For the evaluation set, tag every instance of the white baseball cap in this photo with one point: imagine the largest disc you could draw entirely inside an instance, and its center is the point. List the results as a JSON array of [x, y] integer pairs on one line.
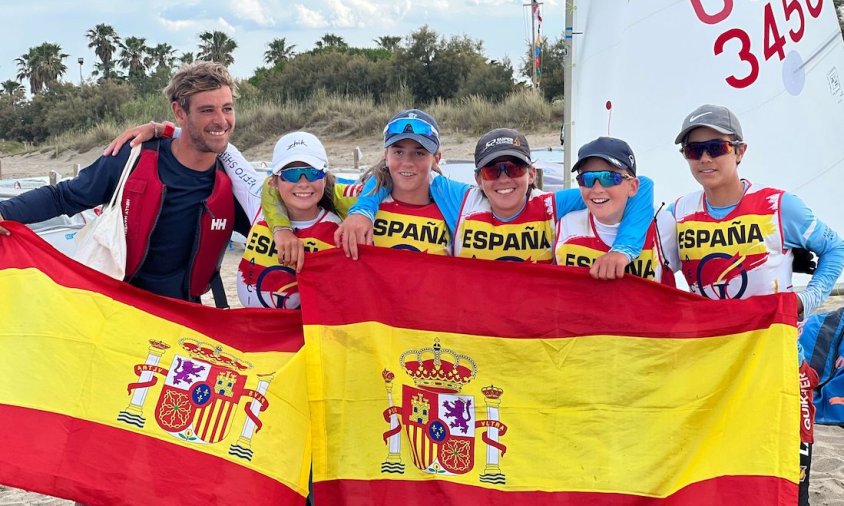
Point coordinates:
[[299, 147]]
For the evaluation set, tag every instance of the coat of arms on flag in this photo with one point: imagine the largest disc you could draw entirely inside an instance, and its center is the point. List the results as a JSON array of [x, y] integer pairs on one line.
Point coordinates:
[[198, 401], [439, 420]]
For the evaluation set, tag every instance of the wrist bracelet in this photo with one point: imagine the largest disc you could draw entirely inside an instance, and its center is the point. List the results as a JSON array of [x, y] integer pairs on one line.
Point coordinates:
[[156, 134], [169, 130], [279, 228]]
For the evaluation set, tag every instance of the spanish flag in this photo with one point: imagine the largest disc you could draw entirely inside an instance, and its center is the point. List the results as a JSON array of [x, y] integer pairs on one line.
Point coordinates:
[[111, 395], [439, 380]]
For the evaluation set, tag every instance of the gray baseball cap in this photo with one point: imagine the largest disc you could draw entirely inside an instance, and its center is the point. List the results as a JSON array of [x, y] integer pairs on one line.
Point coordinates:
[[499, 143], [716, 117]]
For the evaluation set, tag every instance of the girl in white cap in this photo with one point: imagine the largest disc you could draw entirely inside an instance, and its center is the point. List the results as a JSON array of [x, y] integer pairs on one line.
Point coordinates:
[[406, 218], [301, 178]]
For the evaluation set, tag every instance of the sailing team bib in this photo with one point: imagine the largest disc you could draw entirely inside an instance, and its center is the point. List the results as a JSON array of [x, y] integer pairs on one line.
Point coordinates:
[[579, 245], [738, 256], [409, 227], [261, 280], [527, 238]]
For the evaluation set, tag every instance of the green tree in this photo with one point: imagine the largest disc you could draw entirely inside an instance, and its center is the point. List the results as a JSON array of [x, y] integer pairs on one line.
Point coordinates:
[[104, 41], [551, 79], [216, 46], [436, 68], [134, 56], [331, 41], [388, 42], [186, 58], [42, 66], [839, 9], [12, 88], [279, 52], [163, 56]]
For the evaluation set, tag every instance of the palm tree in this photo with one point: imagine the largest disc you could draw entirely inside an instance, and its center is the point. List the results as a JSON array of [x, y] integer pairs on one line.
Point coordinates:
[[388, 42], [12, 88], [216, 46], [331, 40], [163, 56], [279, 51], [104, 41], [186, 58], [42, 66], [133, 56]]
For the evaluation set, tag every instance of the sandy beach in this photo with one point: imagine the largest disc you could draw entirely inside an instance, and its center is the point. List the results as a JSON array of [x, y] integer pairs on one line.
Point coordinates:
[[827, 478]]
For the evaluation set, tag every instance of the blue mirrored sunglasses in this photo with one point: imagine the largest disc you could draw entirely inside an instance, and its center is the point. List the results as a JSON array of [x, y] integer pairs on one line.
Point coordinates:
[[293, 175], [607, 178], [410, 125]]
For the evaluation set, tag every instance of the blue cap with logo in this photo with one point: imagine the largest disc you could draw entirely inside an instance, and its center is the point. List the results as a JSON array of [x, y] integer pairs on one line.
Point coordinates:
[[614, 151], [415, 125]]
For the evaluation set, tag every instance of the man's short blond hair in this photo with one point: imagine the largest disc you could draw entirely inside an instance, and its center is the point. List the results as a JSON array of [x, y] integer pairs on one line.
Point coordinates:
[[195, 78]]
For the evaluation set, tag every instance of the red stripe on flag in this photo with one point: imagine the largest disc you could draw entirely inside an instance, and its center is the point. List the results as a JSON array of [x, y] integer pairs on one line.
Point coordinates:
[[446, 290], [723, 491], [97, 464], [278, 330]]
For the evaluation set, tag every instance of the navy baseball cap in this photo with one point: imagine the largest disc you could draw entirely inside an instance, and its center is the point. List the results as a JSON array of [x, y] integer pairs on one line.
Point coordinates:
[[614, 151], [415, 125]]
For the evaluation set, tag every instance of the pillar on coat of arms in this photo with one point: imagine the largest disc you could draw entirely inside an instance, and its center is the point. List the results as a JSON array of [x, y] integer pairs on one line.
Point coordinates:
[[133, 414], [393, 463], [243, 446], [492, 472]]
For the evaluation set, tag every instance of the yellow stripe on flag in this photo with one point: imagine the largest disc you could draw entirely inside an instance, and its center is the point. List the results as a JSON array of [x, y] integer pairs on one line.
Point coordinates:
[[600, 413]]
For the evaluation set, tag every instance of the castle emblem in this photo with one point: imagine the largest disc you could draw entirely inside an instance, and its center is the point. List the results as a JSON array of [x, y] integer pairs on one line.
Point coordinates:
[[439, 420], [200, 395]]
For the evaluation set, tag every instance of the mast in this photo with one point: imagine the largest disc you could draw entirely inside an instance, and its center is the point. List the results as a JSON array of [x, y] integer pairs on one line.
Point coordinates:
[[568, 97], [535, 35], [533, 44]]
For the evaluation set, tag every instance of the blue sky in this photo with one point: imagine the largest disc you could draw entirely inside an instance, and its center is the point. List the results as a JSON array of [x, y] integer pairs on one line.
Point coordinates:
[[503, 25]]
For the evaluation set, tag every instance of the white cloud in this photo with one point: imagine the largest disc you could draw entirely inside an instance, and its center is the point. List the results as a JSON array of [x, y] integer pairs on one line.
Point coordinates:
[[252, 10], [355, 13], [179, 25], [225, 25], [308, 18]]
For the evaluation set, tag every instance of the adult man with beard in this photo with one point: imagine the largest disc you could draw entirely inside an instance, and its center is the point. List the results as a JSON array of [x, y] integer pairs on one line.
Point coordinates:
[[178, 204]]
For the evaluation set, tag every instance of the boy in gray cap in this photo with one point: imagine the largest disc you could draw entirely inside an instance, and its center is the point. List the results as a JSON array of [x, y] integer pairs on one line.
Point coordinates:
[[737, 239]]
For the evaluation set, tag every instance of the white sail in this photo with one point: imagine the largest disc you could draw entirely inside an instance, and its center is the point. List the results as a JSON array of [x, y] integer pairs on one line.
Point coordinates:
[[641, 66]]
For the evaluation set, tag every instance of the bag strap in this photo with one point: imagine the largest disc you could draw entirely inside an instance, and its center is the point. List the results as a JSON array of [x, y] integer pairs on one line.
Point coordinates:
[[219, 291], [117, 196]]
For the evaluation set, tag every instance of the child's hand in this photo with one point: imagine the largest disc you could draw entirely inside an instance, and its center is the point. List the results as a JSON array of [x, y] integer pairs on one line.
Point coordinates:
[[609, 266], [291, 249]]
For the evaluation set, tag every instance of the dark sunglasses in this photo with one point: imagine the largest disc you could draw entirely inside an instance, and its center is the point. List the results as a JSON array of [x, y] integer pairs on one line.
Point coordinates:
[[494, 170], [715, 148], [414, 125], [294, 174], [607, 178]]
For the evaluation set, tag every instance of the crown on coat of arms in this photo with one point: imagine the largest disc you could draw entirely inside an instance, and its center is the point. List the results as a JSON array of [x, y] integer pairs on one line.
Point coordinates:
[[213, 354], [431, 371]]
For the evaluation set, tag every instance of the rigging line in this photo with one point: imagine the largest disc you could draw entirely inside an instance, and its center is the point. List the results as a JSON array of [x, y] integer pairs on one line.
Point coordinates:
[[834, 38], [834, 164]]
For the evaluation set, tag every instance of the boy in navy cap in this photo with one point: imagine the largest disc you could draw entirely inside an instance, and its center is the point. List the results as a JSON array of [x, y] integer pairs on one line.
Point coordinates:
[[606, 174]]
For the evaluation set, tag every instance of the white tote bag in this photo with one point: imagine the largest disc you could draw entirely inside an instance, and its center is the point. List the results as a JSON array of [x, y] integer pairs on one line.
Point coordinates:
[[101, 244]]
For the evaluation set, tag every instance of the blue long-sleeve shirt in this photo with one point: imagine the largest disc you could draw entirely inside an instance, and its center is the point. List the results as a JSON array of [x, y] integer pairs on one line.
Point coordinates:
[[449, 194]]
